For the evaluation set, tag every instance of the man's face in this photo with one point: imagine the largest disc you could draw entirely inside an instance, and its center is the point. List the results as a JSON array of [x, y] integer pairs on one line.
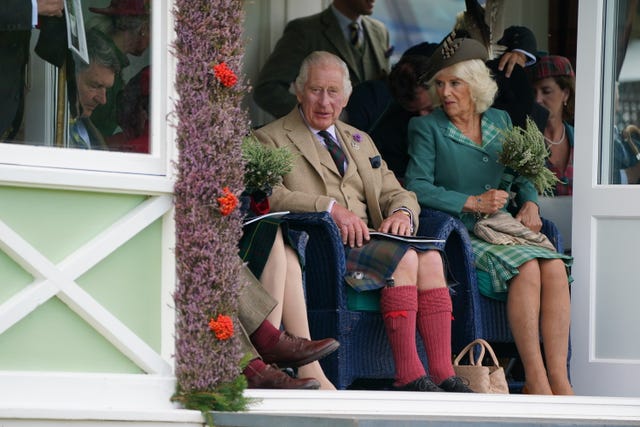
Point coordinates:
[[360, 7], [421, 105], [93, 83], [323, 98]]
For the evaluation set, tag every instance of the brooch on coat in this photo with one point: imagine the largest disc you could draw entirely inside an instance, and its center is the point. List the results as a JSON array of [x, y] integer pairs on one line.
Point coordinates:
[[356, 138]]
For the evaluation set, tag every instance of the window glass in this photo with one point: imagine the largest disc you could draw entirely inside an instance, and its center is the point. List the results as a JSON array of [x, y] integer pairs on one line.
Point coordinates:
[[80, 81], [620, 152]]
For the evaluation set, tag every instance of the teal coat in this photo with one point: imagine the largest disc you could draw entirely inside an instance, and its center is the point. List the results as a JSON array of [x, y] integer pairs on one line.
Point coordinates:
[[445, 167]]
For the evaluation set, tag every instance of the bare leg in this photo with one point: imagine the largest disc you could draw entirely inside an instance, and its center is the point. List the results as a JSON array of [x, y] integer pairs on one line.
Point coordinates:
[[523, 311], [282, 278], [430, 271], [555, 318]]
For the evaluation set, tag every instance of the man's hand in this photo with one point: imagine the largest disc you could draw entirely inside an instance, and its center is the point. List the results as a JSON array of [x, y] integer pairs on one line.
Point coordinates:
[[353, 230], [50, 7], [509, 60], [399, 223], [529, 215]]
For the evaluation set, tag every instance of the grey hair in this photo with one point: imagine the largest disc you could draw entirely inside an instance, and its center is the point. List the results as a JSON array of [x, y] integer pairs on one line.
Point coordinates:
[[475, 73], [100, 52], [322, 58]]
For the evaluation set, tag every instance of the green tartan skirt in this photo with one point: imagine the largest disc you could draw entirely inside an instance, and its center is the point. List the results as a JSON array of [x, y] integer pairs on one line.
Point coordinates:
[[497, 264]]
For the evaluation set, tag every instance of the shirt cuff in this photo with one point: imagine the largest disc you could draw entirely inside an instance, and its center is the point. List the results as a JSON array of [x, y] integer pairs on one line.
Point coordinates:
[[34, 13], [531, 58]]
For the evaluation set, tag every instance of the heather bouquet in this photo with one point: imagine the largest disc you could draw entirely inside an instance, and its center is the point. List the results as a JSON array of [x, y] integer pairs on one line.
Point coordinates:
[[524, 153], [263, 169], [264, 166]]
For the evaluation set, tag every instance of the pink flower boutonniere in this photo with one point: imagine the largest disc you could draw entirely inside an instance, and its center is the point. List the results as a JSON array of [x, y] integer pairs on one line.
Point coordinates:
[[355, 141]]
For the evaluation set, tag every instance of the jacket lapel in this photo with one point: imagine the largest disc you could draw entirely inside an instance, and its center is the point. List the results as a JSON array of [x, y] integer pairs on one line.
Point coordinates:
[[300, 136], [334, 34], [376, 38], [359, 163]]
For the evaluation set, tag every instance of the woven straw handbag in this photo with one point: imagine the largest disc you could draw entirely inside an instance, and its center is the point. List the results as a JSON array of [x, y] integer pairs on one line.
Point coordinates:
[[481, 378]]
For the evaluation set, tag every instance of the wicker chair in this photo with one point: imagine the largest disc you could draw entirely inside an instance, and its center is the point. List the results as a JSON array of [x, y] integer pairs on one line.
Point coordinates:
[[352, 318]]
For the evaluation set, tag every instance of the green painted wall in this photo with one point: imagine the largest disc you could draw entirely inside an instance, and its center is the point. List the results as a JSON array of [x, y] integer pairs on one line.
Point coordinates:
[[127, 282]]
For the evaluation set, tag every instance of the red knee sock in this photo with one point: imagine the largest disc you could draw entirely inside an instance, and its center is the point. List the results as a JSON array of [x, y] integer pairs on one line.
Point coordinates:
[[434, 325], [398, 306], [265, 337]]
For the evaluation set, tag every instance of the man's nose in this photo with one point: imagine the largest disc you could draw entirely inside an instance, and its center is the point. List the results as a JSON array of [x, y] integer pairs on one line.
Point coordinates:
[[101, 96]]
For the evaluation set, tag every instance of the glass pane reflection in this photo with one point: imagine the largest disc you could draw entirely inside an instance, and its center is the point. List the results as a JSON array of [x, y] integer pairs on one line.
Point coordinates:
[[623, 166], [63, 101]]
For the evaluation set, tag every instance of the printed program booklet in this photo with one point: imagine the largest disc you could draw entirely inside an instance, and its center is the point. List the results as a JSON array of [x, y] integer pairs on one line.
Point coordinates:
[[409, 239]]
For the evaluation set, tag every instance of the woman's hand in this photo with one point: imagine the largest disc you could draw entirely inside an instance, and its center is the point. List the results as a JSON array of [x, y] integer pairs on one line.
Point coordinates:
[[353, 230], [399, 223], [489, 202], [529, 215]]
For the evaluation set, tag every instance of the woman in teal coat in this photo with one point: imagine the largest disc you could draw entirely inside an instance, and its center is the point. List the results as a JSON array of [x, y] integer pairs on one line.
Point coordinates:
[[454, 167]]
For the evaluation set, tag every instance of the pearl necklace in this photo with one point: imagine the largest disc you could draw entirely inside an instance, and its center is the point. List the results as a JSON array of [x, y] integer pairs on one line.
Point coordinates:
[[558, 141]]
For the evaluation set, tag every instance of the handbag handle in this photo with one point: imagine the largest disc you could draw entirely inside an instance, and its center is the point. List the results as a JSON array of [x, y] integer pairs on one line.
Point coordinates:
[[469, 349]]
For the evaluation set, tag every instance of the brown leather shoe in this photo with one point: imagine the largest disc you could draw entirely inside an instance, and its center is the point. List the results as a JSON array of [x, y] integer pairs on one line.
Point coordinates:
[[272, 377], [292, 351]]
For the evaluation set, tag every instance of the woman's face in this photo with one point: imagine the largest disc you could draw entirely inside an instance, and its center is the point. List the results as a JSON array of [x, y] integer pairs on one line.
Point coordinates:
[[454, 94], [549, 94]]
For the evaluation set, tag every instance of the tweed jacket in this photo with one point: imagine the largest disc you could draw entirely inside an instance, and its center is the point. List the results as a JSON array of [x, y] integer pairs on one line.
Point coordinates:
[[308, 34], [445, 168], [306, 187]]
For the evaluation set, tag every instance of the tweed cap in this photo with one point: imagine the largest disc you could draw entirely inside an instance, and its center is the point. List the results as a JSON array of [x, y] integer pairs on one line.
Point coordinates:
[[453, 50], [552, 66]]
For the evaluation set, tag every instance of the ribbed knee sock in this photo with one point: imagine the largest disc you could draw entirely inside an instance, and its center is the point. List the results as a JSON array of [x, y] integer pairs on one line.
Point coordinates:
[[434, 325], [265, 337], [398, 306]]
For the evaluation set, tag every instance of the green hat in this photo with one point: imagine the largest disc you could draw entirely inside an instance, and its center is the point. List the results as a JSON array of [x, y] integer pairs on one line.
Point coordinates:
[[453, 50]]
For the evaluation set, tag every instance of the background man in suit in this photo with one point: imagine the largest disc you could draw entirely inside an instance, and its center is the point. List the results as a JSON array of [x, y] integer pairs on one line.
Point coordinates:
[[16, 22], [365, 50], [339, 170]]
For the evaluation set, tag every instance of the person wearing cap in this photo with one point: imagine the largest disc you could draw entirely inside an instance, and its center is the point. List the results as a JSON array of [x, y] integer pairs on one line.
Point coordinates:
[[454, 167], [338, 170], [125, 25], [554, 85]]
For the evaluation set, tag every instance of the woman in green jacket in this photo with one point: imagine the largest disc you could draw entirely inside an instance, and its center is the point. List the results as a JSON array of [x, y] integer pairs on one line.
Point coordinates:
[[453, 167]]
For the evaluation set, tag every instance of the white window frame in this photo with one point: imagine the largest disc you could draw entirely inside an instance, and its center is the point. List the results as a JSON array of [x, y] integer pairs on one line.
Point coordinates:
[[107, 170]]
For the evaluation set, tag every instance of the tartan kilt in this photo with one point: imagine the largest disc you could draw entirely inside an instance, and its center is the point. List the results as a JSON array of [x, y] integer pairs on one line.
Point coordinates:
[[371, 266], [501, 262]]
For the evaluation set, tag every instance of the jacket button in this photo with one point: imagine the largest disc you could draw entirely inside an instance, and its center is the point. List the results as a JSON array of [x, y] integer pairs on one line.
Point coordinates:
[[485, 159], [487, 187]]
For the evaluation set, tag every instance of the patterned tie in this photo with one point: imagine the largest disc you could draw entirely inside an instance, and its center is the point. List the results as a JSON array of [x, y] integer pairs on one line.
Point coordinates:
[[334, 149], [354, 35]]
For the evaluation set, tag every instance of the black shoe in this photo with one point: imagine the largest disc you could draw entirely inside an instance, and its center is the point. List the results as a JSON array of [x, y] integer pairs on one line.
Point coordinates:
[[456, 385], [421, 384]]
